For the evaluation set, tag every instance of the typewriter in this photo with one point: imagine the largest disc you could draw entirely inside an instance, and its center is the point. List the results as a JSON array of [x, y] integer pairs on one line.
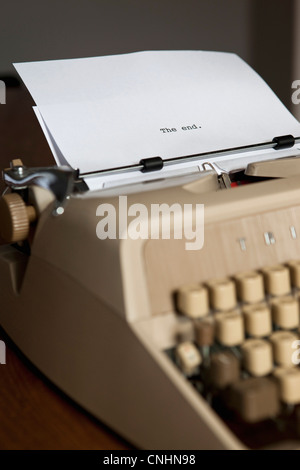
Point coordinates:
[[172, 346]]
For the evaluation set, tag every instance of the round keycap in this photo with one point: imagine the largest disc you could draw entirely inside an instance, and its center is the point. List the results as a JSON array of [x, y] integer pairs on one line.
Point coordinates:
[[295, 272], [222, 294], [289, 384], [224, 369], [229, 328], [258, 322], [277, 280], [285, 312], [250, 287], [188, 358], [192, 300], [282, 342], [204, 332], [257, 357]]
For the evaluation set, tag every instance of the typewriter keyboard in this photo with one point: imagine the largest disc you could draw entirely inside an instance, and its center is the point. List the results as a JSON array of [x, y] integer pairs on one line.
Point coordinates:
[[246, 349]]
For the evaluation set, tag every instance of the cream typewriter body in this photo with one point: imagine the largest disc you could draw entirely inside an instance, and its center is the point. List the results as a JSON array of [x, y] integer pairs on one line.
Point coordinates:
[[138, 331], [171, 345]]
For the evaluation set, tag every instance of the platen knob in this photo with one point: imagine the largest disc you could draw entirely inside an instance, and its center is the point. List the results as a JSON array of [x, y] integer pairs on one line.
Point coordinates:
[[15, 218]]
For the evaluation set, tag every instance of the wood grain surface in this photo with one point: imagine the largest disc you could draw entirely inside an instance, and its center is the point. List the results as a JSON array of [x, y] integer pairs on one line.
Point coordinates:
[[33, 413]]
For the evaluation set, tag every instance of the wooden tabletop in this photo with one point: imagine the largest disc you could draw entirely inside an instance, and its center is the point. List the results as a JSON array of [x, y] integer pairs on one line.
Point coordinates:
[[34, 414]]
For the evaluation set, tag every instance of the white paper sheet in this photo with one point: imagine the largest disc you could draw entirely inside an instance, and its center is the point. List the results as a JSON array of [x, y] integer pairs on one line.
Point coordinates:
[[109, 112]]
